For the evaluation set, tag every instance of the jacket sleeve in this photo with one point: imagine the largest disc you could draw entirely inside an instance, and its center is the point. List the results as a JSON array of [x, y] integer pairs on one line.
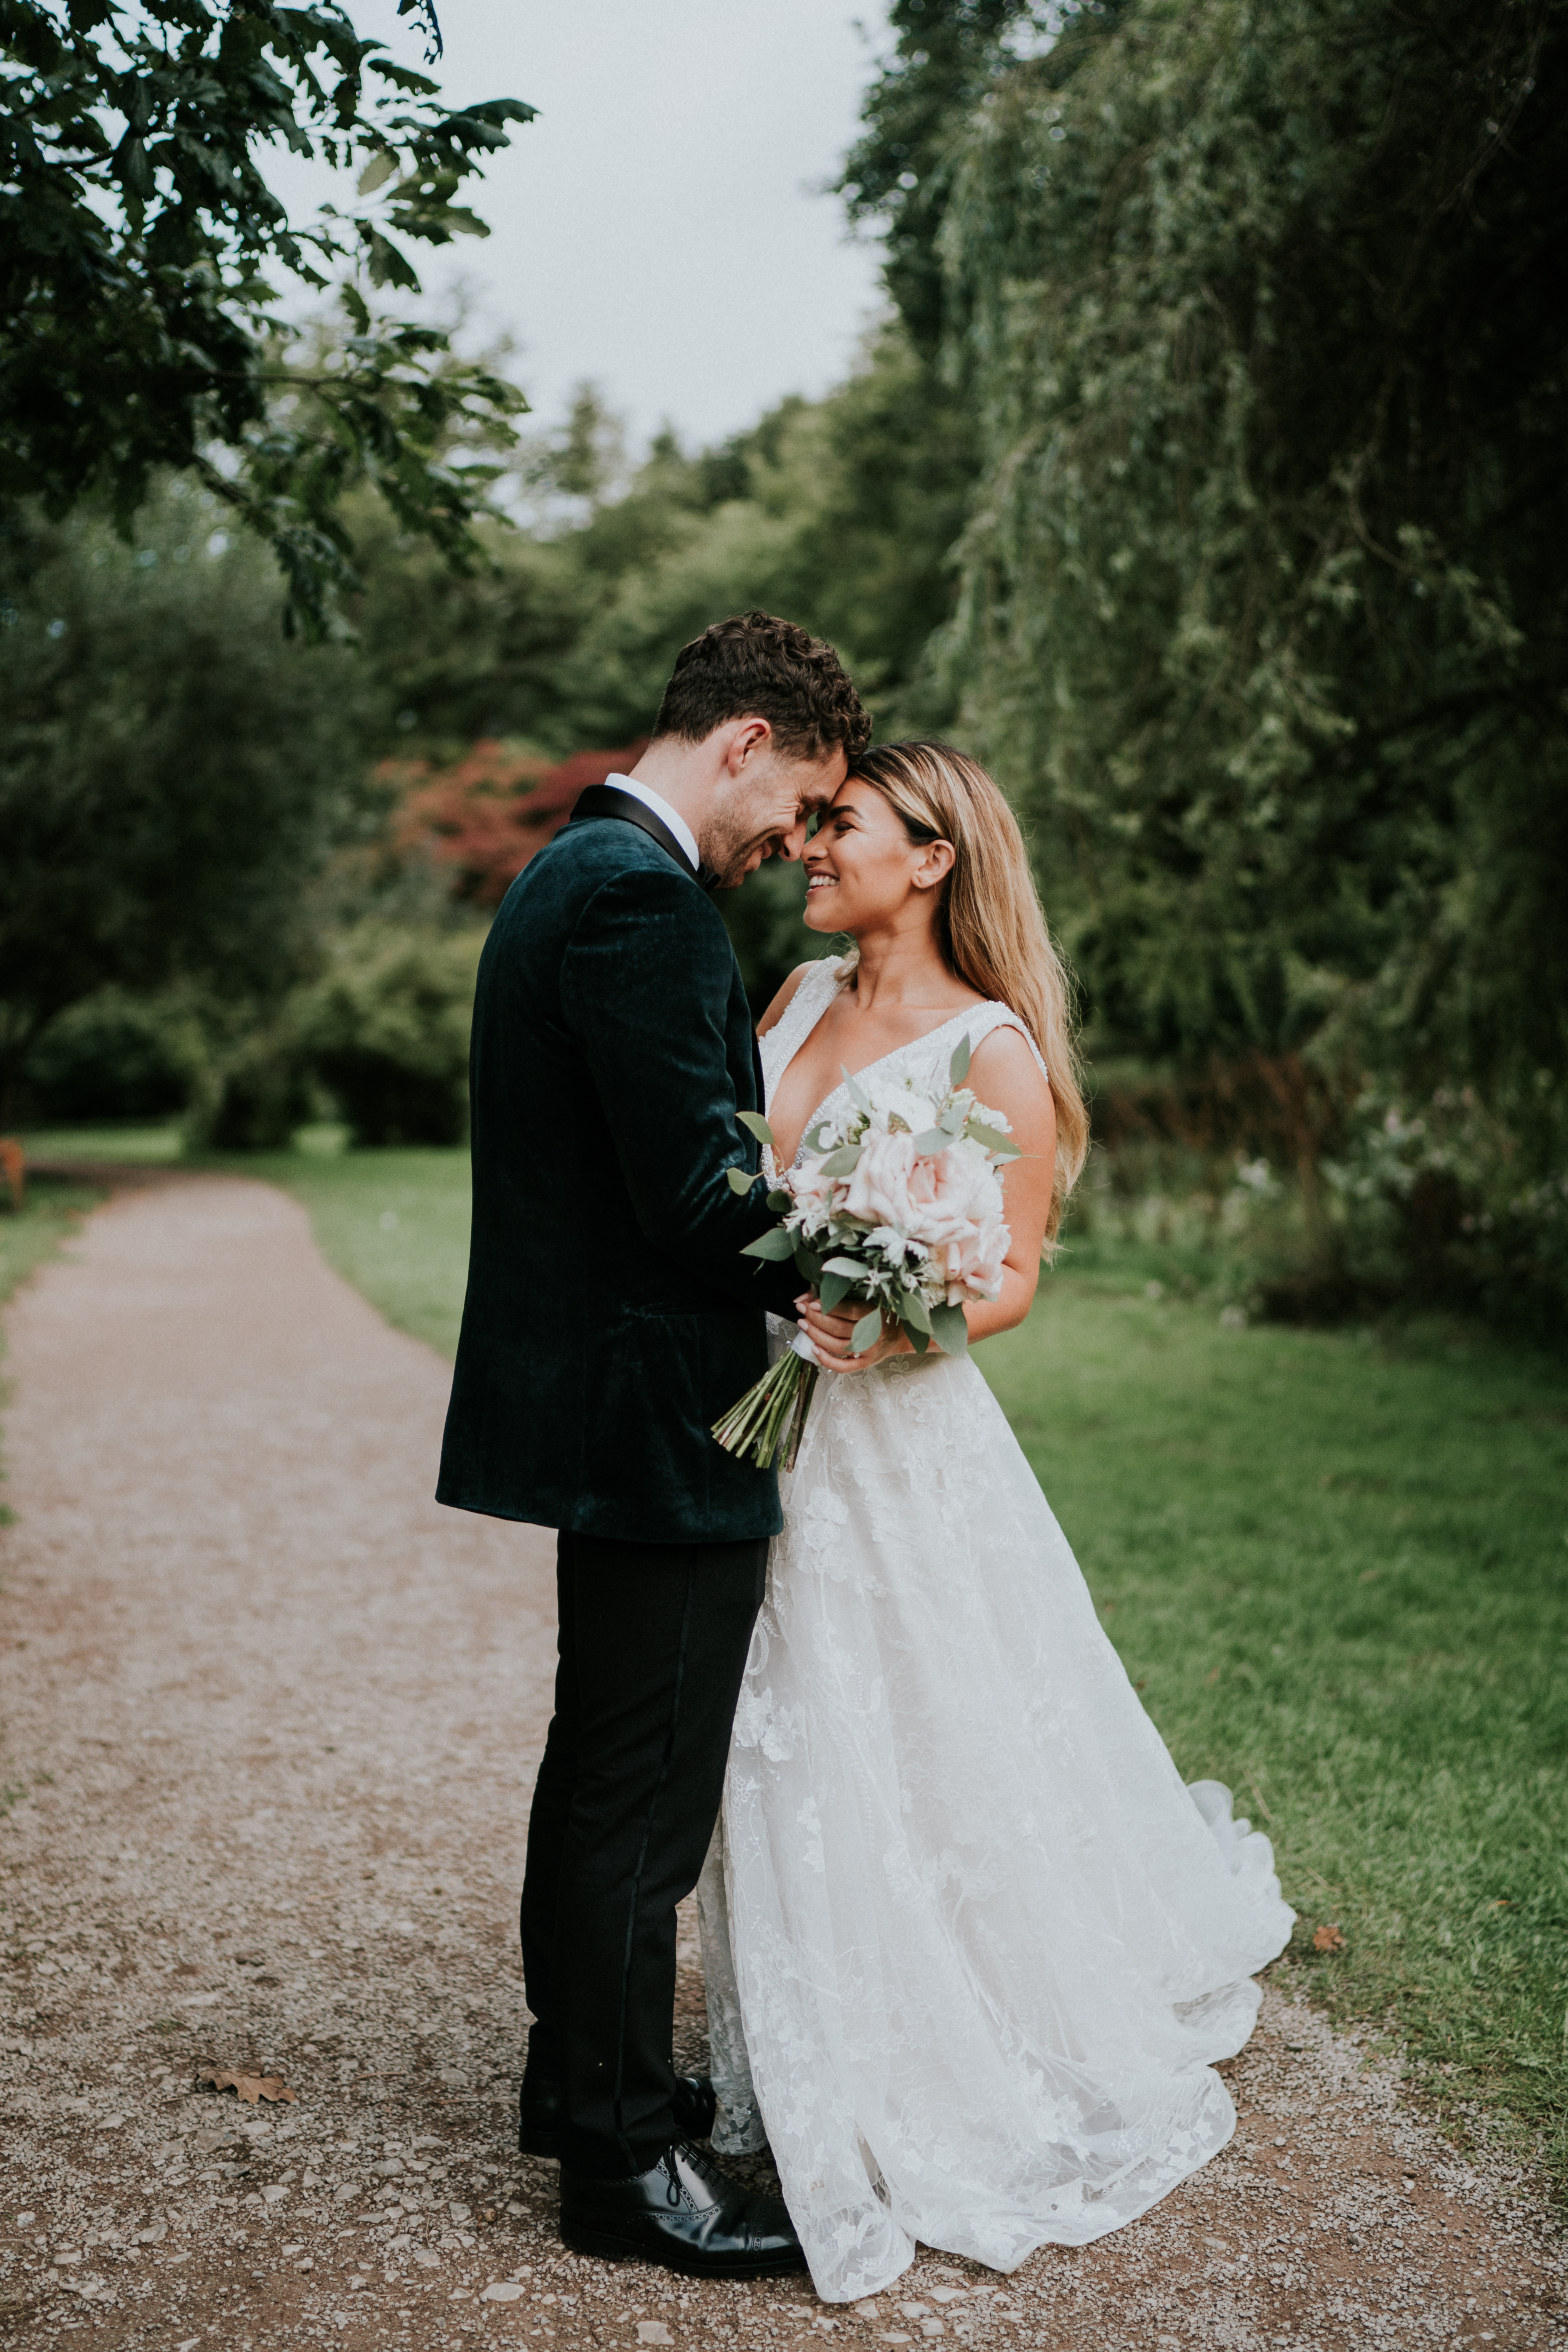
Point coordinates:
[[645, 988]]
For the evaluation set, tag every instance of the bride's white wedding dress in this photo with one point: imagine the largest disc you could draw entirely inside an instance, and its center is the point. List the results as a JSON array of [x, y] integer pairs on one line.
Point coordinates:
[[971, 1945]]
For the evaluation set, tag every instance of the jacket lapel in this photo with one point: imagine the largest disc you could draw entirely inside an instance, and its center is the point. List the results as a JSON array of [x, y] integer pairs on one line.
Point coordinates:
[[606, 800]]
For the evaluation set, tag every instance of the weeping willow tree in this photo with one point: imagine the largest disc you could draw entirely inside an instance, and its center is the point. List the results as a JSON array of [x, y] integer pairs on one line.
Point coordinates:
[[1263, 610]]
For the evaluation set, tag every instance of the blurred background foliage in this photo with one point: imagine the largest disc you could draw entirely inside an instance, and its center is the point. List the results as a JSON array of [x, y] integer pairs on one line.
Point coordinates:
[[1205, 476]]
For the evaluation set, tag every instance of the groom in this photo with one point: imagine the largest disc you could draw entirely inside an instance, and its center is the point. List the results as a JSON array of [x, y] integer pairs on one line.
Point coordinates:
[[610, 1320]]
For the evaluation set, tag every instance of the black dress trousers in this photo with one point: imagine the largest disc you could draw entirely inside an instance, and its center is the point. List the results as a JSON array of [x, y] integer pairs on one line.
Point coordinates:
[[652, 1646]]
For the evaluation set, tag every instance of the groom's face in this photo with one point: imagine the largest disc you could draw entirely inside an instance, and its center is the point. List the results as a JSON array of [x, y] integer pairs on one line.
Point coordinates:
[[765, 807]]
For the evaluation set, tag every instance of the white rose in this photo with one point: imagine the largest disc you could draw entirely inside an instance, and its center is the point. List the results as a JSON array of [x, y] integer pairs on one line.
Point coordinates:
[[893, 1098], [878, 1191]]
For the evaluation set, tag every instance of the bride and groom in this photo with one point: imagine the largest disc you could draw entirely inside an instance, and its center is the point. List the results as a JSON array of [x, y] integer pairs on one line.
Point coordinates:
[[970, 1947]]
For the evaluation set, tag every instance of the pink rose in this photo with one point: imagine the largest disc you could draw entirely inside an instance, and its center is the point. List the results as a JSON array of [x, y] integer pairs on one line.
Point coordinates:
[[811, 1190], [972, 1263], [950, 1193]]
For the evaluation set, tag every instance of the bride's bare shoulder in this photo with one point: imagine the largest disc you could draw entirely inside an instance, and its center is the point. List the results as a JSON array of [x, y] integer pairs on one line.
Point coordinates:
[[1005, 1071], [783, 1000]]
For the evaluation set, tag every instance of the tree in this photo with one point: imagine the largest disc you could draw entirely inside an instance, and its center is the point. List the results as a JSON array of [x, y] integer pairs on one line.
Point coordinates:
[[1265, 599], [172, 772], [840, 512], [137, 233], [898, 174]]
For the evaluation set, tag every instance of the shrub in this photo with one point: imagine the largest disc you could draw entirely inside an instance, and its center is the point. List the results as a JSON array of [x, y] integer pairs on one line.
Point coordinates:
[[1306, 1202], [114, 1056], [254, 1097], [1439, 1200], [387, 1030]]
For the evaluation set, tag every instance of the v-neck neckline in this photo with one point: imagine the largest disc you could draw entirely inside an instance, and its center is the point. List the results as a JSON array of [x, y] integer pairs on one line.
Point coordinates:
[[814, 1118]]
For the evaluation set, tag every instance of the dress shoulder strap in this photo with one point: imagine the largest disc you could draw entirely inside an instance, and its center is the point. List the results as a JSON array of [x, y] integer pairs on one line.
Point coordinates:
[[818, 986], [987, 1017]]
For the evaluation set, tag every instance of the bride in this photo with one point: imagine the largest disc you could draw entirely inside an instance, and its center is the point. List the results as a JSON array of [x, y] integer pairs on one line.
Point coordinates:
[[971, 1948]]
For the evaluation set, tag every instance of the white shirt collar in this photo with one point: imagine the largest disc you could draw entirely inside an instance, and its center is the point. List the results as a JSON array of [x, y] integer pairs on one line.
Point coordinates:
[[661, 809]]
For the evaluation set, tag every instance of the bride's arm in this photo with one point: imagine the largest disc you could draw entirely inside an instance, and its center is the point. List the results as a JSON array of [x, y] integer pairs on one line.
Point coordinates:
[[1005, 1075]]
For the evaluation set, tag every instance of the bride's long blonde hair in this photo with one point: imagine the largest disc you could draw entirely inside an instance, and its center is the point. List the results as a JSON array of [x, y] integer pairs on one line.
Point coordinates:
[[989, 925]]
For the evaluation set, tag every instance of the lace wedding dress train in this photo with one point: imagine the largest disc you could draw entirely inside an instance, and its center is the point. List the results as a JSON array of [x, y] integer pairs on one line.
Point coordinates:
[[971, 1945]]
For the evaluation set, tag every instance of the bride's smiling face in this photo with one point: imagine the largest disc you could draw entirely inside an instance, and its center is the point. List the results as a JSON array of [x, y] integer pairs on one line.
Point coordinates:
[[864, 872]]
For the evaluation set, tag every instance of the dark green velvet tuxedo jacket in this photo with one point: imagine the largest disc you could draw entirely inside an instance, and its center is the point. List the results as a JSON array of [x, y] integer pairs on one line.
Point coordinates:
[[610, 1318]]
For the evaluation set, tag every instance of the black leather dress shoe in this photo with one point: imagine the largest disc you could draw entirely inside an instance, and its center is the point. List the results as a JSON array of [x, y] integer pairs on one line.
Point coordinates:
[[543, 2111], [683, 2214]]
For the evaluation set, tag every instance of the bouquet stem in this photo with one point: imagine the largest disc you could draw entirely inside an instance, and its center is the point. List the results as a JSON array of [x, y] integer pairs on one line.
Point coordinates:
[[766, 1426]]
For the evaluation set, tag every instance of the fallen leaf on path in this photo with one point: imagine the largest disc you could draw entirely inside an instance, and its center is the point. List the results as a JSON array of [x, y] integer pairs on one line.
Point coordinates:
[[1328, 1939], [250, 2087]]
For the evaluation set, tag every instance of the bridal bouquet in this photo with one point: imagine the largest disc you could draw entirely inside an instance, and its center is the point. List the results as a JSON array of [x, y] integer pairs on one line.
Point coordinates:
[[895, 1205]]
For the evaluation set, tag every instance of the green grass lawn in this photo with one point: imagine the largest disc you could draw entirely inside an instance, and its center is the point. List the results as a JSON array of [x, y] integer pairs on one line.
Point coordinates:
[[50, 1215], [135, 1144], [1337, 1566]]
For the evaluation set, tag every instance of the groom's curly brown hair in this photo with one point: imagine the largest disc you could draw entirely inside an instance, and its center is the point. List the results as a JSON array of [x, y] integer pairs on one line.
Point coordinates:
[[757, 667]]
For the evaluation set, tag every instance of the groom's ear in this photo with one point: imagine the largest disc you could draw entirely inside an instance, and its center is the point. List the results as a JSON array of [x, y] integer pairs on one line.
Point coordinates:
[[748, 738]]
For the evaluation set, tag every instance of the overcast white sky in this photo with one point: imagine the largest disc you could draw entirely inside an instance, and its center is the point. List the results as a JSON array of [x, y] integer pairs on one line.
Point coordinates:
[[658, 229]]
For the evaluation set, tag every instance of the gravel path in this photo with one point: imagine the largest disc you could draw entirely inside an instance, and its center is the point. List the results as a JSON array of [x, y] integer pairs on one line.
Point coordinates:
[[269, 1722]]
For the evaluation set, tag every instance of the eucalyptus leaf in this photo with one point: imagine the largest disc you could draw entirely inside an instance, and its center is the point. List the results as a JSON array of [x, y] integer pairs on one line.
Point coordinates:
[[866, 1332], [835, 1288], [809, 1263], [849, 1266], [919, 1340], [739, 1182], [755, 1124], [913, 1310], [776, 1246], [949, 1330], [857, 1092], [935, 1138], [842, 1162], [958, 1068], [995, 1140], [780, 1203]]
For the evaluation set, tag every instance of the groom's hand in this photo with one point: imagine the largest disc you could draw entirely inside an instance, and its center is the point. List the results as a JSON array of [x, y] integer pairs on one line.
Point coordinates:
[[830, 1336]]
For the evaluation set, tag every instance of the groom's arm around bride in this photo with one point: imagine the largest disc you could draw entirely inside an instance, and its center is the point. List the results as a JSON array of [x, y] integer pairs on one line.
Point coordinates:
[[610, 1320]]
